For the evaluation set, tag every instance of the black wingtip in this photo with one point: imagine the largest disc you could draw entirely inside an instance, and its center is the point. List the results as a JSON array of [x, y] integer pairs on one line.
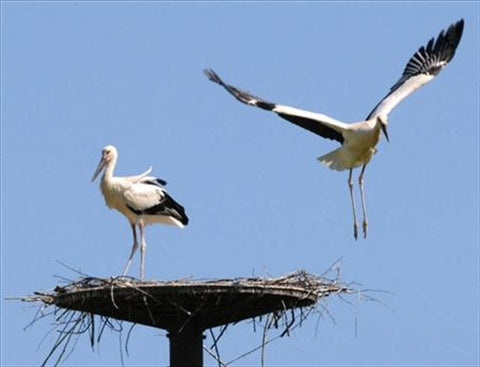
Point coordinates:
[[436, 54], [239, 94], [459, 25], [213, 76], [447, 43], [458, 29]]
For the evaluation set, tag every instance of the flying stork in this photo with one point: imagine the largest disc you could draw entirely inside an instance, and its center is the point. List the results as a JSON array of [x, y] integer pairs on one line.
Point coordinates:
[[358, 140], [142, 199]]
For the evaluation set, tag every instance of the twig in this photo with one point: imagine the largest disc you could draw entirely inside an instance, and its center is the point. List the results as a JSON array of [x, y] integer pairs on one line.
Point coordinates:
[[220, 363]]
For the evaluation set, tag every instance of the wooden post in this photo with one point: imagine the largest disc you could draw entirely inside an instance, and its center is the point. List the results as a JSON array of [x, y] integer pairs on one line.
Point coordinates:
[[186, 347]]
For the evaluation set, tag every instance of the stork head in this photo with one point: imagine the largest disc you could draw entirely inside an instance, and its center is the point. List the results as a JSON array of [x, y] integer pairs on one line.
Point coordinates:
[[109, 155], [382, 120]]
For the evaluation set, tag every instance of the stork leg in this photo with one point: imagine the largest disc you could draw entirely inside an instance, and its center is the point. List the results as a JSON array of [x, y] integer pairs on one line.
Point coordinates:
[[143, 247], [360, 183], [134, 248], [350, 186]]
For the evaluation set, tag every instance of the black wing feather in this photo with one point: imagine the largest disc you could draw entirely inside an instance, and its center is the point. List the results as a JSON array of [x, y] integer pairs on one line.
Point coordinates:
[[155, 181], [431, 58], [167, 207], [311, 125], [314, 126]]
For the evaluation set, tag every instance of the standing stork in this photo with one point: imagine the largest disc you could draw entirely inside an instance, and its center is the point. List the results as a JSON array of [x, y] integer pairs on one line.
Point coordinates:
[[358, 140], [142, 199]]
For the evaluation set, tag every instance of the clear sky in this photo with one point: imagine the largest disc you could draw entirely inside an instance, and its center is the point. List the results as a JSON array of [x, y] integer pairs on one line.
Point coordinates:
[[77, 76]]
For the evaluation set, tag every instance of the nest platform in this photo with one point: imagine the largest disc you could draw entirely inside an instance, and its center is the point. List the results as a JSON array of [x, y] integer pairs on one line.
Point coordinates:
[[186, 307]]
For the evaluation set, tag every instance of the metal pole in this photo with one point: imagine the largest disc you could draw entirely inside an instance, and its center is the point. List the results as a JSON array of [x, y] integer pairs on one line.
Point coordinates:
[[186, 347]]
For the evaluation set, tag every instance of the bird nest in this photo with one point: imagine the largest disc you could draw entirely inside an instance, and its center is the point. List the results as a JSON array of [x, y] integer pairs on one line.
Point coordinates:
[[274, 302]]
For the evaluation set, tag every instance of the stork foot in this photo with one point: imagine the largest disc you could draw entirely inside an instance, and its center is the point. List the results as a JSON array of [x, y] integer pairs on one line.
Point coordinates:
[[355, 230], [365, 226]]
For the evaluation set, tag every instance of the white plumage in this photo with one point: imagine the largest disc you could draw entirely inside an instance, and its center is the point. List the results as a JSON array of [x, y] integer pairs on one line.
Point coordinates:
[[142, 199], [358, 140]]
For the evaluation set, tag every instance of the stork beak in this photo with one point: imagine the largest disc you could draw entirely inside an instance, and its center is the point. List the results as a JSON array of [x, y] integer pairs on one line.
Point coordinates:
[[99, 169], [384, 129]]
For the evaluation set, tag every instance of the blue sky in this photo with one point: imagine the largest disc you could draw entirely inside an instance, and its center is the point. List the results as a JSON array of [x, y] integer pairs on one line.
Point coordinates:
[[78, 76]]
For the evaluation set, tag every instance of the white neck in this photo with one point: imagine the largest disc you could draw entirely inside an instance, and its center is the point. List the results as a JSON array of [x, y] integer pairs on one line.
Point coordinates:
[[108, 174]]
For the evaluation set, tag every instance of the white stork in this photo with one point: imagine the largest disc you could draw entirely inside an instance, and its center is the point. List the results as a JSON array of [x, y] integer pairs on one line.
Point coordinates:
[[142, 199], [358, 140]]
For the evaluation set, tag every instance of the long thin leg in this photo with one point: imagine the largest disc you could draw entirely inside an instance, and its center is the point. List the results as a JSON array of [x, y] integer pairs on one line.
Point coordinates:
[[350, 186], [143, 247], [134, 248], [360, 183]]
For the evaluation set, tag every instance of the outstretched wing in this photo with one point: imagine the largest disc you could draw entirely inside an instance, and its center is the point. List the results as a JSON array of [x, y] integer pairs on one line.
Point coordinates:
[[422, 67], [317, 123]]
